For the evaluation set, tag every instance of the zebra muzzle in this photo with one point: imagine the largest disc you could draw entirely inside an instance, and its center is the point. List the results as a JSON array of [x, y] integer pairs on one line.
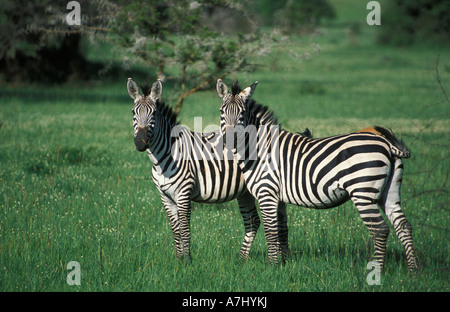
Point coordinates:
[[141, 140], [230, 138]]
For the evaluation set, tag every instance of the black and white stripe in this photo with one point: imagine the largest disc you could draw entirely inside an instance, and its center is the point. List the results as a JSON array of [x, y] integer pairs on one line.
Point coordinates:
[[317, 173], [188, 167]]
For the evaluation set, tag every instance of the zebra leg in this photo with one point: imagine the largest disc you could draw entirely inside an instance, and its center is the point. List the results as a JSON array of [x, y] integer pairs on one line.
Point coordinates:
[[172, 212], [283, 230], [268, 206], [249, 213], [390, 201], [184, 217], [378, 229], [403, 230]]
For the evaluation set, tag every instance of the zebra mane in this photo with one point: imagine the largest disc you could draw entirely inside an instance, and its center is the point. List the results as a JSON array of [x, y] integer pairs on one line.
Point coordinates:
[[164, 110], [235, 88], [167, 113], [146, 89], [258, 114]]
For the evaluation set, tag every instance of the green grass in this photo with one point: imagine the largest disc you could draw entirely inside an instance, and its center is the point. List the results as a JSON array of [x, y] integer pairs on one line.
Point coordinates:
[[73, 187]]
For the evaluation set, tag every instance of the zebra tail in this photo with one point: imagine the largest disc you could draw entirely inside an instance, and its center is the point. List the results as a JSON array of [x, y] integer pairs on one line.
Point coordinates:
[[398, 147]]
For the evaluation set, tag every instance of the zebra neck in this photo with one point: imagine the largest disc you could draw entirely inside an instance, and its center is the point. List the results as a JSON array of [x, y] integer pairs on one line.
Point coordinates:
[[160, 148], [260, 146]]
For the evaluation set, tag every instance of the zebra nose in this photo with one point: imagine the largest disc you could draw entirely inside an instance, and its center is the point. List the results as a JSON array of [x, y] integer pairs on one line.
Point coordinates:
[[141, 139]]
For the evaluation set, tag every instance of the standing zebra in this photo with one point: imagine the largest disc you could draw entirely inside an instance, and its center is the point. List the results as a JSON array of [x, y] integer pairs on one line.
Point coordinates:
[[317, 173], [187, 167]]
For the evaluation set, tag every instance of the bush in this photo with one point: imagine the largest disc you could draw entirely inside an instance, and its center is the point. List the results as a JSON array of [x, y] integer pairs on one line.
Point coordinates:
[[303, 16], [407, 21], [37, 45]]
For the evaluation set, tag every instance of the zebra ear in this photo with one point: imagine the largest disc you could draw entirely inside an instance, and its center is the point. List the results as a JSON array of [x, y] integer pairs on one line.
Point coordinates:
[[221, 88], [132, 88], [248, 92], [156, 90]]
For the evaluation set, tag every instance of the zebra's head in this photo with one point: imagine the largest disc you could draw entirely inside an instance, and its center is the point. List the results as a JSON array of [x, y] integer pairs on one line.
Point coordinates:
[[144, 112], [233, 106]]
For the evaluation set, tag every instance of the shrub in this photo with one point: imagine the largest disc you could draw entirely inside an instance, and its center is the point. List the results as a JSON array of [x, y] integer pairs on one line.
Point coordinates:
[[407, 21]]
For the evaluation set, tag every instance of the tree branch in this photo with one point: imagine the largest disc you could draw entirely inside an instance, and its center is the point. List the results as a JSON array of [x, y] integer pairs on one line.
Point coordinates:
[[199, 87], [439, 79]]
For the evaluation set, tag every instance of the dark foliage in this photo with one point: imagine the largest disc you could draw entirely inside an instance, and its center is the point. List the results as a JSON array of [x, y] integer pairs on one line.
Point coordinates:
[[405, 22]]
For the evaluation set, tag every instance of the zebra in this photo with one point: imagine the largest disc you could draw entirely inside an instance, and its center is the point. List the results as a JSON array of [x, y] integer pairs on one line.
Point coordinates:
[[182, 177], [319, 173]]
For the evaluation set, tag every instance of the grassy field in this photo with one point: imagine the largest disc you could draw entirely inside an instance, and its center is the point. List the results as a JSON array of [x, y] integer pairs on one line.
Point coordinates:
[[73, 187]]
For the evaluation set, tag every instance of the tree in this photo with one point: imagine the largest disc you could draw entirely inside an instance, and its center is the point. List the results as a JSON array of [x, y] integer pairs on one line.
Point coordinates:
[[175, 38], [303, 16], [181, 41], [37, 44], [406, 21]]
